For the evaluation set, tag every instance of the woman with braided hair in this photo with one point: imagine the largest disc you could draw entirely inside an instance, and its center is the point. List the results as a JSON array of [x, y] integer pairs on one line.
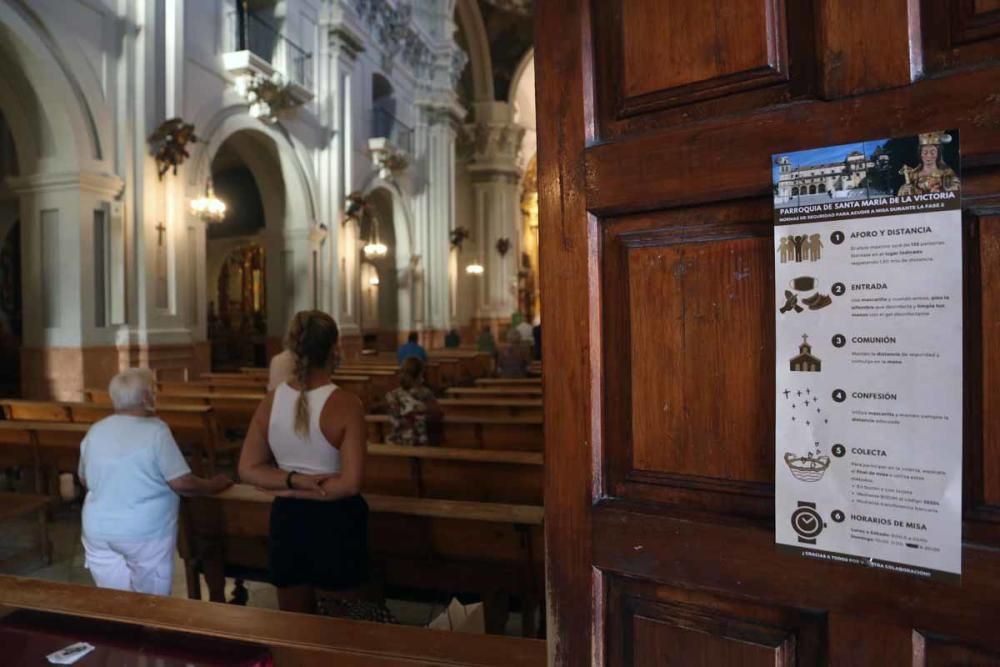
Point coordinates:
[[306, 444]]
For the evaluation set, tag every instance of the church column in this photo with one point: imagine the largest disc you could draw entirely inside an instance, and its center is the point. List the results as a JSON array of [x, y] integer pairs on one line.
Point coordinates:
[[67, 275], [343, 47], [496, 139], [435, 207]]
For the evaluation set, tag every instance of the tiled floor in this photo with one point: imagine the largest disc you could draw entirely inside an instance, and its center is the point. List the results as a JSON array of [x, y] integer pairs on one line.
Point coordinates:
[[17, 537]]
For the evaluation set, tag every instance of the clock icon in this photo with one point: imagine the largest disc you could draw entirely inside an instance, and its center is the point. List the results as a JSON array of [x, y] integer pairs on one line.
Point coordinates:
[[807, 522]]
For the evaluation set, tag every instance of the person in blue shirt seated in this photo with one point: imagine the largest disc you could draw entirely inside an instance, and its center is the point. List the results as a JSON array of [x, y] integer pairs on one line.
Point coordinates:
[[411, 348]]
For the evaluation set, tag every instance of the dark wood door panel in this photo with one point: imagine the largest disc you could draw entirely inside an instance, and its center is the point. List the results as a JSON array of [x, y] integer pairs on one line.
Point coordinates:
[[716, 555], [651, 624], [934, 651], [729, 158], [960, 33], [676, 286], [720, 56]]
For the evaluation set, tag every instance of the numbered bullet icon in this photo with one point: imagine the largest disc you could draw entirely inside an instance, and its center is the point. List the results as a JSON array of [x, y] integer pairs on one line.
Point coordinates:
[[838, 289], [839, 340], [837, 237], [838, 450], [837, 516], [839, 395]]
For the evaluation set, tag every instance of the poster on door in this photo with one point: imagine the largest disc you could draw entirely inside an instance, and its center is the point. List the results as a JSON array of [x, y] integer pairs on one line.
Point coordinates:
[[868, 353]]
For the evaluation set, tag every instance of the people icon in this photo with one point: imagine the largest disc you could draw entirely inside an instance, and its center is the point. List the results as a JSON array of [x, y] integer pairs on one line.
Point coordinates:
[[800, 248]]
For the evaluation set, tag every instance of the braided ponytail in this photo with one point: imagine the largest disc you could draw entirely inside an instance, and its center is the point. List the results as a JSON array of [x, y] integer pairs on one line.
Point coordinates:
[[311, 339]]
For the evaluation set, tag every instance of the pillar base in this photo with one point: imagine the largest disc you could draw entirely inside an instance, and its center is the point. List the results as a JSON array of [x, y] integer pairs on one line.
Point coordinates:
[[63, 373]]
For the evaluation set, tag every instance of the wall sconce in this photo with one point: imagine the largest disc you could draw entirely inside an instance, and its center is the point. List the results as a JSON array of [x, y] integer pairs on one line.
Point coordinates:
[[503, 246], [474, 269], [374, 281], [209, 207]]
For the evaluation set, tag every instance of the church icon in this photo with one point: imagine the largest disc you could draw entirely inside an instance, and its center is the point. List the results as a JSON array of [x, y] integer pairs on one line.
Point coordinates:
[[804, 360]]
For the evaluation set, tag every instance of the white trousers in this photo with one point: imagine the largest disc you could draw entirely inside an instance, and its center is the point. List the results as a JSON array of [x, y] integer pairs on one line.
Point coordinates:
[[141, 566]]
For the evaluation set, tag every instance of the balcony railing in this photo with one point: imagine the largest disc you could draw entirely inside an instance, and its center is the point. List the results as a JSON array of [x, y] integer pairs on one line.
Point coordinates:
[[246, 31], [384, 124]]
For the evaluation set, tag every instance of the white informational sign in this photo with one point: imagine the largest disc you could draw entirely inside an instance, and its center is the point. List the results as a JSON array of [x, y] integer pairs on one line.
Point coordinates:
[[868, 354]]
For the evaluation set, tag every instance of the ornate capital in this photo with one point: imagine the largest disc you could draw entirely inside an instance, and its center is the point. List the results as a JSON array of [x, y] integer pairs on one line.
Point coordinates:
[[492, 142]]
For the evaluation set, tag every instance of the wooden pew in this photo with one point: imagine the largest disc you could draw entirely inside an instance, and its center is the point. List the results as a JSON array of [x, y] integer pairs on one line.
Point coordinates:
[[293, 639], [194, 426], [492, 407], [18, 505], [495, 392], [509, 382], [448, 546], [494, 433], [455, 474], [41, 445], [363, 386], [232, 411]]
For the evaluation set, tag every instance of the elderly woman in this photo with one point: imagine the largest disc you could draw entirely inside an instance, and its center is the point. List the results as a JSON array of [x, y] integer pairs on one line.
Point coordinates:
[[133, 472]]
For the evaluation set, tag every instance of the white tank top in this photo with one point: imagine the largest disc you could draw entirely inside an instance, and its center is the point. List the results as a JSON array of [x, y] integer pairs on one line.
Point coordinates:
[[313, 455]]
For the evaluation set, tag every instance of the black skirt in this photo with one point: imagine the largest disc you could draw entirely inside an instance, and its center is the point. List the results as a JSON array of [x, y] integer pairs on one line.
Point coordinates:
[[319, 543]]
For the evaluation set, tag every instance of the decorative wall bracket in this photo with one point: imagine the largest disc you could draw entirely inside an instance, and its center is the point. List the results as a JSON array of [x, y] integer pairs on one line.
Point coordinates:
[[387, 158], [503, 246], [169, 143], [458, 236], [268, 97]]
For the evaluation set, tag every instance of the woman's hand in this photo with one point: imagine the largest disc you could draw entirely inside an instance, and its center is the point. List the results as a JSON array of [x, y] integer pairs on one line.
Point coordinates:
[[220, 483], [309, 483]]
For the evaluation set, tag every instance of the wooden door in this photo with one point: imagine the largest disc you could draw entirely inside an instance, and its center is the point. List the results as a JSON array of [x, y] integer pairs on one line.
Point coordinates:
[[657, 120]]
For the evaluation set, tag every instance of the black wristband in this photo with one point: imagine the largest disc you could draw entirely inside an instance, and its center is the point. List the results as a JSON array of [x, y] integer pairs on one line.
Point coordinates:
[[288, 480]]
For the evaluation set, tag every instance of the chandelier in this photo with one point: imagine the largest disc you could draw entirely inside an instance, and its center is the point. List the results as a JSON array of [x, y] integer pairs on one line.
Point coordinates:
[[523, 7], [209, 207], [375, 249]]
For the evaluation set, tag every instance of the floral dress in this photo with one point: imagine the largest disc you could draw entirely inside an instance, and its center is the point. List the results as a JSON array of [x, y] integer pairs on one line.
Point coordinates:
[[408, 415]]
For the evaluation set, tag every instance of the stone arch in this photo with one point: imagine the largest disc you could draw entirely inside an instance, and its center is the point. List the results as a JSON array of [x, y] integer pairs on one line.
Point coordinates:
[[288, 194], [50, 104], [480, 60], [401, 273]]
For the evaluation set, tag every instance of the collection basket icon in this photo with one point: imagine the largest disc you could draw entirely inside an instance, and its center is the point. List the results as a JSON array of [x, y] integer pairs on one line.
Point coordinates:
[[807, 468]]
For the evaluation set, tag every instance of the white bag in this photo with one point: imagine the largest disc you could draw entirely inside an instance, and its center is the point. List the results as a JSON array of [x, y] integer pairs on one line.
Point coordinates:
[[460, 617]]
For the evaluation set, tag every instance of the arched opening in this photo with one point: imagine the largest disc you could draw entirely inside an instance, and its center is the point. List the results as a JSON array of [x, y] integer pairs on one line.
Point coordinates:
[[246, 175], [812, 189], [522, 97], [383, 106], [11, 300], [380, 306], [821, 188], [795, 191]]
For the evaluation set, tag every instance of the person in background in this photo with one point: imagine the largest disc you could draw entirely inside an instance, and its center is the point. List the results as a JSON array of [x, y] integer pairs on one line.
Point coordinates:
[[452, 340], [536, 334], [306, 443], [524, 330], [282, 369], [411, 405], [411, 348], [486, 342], [512, 361], [133, 471]]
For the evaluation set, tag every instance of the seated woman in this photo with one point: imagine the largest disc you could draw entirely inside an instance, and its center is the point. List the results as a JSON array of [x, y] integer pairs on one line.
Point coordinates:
[[306, 442], [513, 359], [132, 471], [410, 406]]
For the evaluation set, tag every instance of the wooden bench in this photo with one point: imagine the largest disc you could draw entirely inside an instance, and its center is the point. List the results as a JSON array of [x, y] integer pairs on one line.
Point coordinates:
[[369, 390], [293, 639], [491, 432], [492, 407], [445, 546], [43, 446], [495, 392], [19, 505], [193, 426], [232, 411], [509, 382], [455, 474]]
